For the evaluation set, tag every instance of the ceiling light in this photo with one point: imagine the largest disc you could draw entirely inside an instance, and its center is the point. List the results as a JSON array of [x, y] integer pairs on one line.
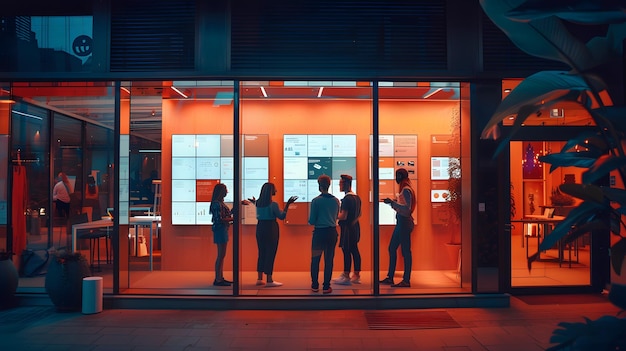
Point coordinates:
[[507, 90], [125, 89], [263, 91], [319, 93], [178, 91], [431, 93], [27, 115]]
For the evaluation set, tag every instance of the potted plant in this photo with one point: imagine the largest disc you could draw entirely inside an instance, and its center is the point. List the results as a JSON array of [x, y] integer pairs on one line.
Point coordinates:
[[8, 279], [542, 28], [64, 280]]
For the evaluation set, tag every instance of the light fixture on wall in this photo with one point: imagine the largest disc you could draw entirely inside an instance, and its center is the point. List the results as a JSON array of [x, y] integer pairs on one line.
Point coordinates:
[[5, 97]]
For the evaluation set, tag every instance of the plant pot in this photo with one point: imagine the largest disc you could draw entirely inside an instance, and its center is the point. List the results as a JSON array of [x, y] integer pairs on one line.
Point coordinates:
[[8, 281], [64, 283]]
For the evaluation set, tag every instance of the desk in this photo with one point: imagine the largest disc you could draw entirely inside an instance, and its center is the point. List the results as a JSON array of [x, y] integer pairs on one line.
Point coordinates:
[[545, 224], [134, 221], [101, 223], [152, 221]]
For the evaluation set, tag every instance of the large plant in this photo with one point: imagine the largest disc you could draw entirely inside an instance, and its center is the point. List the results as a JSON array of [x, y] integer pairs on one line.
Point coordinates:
[[540, 28]]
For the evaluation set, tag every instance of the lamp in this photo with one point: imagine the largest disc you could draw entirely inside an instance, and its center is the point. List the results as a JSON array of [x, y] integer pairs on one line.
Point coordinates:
[[5, 97]]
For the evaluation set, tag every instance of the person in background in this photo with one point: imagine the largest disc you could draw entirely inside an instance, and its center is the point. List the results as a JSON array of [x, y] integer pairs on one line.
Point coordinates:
[[267, 232], [61, 195], [323, 217], [148, 188], [401, 236], [92, 197], [222, 218], [350, 232]]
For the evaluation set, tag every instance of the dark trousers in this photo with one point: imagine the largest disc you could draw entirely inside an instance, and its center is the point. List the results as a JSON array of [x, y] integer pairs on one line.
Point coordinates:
[[324, 241], [63, 209], [401, 237], [267, 243], [349, 240]]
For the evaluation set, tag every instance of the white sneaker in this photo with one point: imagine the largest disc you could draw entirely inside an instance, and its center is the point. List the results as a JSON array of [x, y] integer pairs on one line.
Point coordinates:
[[342, 280], [356, 279], [272, 284]]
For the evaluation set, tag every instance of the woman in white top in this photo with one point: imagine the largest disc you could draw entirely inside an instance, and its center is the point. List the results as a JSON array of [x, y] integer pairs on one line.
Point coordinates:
[[61, 195]]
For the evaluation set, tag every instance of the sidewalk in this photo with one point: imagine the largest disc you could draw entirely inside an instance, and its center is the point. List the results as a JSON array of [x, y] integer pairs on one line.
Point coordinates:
[[521, 326]]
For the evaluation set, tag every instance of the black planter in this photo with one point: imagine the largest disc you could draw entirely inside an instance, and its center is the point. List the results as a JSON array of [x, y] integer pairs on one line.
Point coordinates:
[[8, 280], [64, 282]]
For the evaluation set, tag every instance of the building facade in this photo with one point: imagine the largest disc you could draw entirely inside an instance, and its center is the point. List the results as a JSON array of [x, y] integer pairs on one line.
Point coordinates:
[[159, 104]]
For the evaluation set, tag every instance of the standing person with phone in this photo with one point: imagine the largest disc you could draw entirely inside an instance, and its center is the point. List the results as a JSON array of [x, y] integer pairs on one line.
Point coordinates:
[[222, 217], [267, 232], [404, 207]]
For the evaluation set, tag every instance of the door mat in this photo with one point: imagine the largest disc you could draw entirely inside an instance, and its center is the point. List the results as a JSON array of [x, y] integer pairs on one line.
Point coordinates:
[[402, 320], [564, 299]]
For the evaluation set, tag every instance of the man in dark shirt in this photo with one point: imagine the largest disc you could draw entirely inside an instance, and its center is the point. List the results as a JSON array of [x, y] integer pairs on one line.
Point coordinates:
[[350, 232]]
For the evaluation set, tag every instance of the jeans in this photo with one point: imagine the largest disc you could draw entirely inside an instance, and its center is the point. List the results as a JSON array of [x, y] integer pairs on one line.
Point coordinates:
[[401, 237], [324, 241]]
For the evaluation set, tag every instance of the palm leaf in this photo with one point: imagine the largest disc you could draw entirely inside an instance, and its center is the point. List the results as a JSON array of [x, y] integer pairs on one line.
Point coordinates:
[[569, 159], [602, 167]]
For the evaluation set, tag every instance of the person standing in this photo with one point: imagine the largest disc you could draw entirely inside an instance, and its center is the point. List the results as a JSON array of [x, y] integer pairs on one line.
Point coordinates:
[[350, 232], [267, 232], [61, 195], [323, 217], [401, 236], [222, 218]]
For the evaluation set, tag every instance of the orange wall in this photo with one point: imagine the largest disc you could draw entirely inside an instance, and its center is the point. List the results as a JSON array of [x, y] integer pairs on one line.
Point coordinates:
[[192, 248]]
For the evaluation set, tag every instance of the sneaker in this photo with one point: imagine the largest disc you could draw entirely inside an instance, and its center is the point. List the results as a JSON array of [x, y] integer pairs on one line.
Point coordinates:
[[272, 284], [402, 284], [315, 288], [327, 291], [260, 282], [387, 281], [356, 279], [228, 281], [342, 280]]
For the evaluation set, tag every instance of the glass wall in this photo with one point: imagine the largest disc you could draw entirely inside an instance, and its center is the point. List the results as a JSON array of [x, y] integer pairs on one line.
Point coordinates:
[[305, 129], [61, 128], [420, 138], [178, 140], [181, 145]]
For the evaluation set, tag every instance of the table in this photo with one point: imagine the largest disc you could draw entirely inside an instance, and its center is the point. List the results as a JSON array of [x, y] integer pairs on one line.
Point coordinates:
[[545, 224], [136, 221], [152, 221]]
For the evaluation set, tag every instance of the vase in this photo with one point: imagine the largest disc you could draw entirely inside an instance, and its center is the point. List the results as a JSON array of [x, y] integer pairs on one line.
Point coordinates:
[[64, 283], [8, 281]]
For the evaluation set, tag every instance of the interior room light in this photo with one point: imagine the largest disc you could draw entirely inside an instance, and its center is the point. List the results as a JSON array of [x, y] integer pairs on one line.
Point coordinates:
[[319, 93], [507, 90], [125, 89], [5, 97], [263, 91], [26, 115], [178, 91]]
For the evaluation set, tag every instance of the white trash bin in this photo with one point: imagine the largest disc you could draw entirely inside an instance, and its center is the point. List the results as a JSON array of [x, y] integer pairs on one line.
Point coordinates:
[[92, 295]]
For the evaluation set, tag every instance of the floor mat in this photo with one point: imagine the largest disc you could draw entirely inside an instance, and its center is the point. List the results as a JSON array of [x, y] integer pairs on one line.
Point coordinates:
[[564, 299], [410, 320]]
